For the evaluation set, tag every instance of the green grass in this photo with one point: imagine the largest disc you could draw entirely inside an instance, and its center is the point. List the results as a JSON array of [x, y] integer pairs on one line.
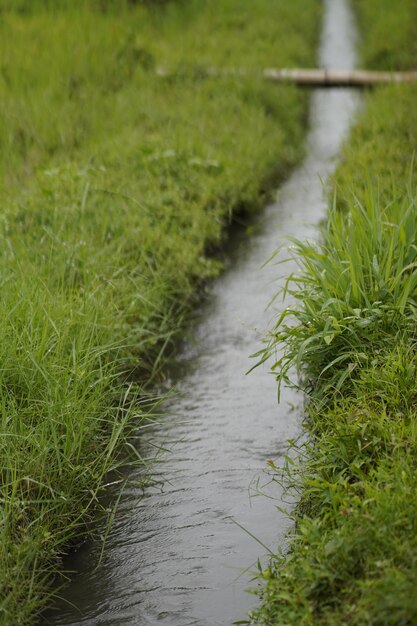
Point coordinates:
[[382, 148], [389, 33], [353, 292], [116, 189], [350, 336]]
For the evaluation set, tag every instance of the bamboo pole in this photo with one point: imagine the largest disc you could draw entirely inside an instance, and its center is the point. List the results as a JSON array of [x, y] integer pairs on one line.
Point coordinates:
[[338, 78], [314, 77]]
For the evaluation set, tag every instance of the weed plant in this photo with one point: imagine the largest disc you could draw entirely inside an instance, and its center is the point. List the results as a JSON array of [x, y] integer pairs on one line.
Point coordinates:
[[353, 293], [116, 187]]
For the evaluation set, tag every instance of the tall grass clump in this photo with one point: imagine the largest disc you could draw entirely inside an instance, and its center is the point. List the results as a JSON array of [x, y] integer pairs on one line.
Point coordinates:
[[354, 291], [67, 421]]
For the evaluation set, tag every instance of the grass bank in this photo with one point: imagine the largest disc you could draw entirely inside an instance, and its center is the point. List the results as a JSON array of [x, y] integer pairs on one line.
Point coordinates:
[[115, 187], [352, 335]]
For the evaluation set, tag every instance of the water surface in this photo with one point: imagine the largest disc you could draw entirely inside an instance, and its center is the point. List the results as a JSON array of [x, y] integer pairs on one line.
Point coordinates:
[[177, 555]]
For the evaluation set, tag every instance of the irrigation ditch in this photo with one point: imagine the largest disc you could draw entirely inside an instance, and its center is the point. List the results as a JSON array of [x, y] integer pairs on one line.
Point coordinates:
[[182, 554]]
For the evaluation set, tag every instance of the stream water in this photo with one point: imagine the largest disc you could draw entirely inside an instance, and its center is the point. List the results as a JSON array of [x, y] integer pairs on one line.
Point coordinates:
[[178, 555]]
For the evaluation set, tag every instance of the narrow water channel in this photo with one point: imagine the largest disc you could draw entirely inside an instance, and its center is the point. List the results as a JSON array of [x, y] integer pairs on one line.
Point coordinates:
[[178, 555]]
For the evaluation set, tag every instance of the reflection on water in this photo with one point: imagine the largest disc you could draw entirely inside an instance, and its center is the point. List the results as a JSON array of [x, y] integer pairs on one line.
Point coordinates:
[[179, 555]]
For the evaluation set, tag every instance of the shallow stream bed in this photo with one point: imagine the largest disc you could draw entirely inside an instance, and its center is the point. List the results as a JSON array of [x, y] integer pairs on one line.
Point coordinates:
[[180, 555]]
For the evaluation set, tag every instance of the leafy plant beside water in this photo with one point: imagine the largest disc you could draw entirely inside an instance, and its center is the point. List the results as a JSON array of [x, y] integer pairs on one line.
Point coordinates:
[[354, 291]]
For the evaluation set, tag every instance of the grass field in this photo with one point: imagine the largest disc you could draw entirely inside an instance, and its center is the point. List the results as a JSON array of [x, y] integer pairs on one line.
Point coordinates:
[[116, 187], [353, 552]]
